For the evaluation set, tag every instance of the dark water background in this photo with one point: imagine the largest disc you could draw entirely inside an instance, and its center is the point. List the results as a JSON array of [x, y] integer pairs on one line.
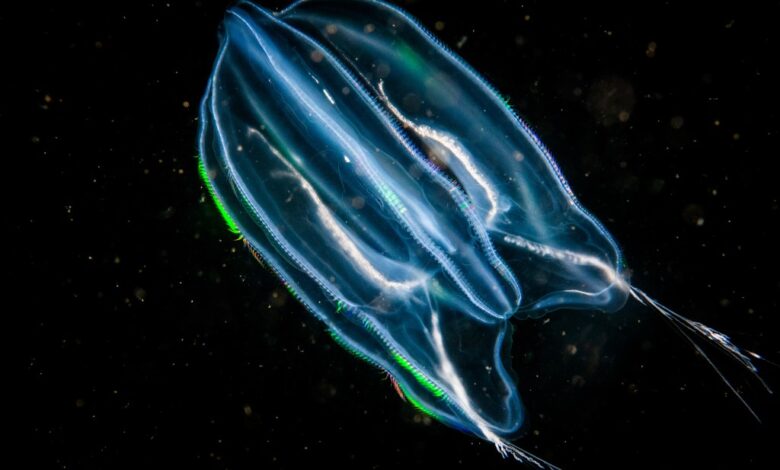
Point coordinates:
[[151, 338]]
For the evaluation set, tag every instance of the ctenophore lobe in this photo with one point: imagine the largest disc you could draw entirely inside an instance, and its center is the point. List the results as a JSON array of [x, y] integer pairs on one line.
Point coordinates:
[[398, 199]]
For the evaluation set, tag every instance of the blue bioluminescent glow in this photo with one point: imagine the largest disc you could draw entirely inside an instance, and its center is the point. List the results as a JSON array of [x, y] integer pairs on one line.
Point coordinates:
[[403, 202]]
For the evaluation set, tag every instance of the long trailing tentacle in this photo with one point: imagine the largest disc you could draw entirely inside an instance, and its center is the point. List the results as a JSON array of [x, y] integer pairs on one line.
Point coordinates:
[[507, 449], [686, 326]]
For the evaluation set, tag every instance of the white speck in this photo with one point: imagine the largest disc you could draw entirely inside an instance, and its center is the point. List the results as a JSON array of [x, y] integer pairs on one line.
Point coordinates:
[[346, 159], [327, 95]]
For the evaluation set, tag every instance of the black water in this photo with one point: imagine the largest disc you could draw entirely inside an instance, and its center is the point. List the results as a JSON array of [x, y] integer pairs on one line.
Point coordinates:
[[150, 337]]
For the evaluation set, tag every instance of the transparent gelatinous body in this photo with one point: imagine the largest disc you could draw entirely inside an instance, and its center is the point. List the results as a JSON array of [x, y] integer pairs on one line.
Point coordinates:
[[399, 198]]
